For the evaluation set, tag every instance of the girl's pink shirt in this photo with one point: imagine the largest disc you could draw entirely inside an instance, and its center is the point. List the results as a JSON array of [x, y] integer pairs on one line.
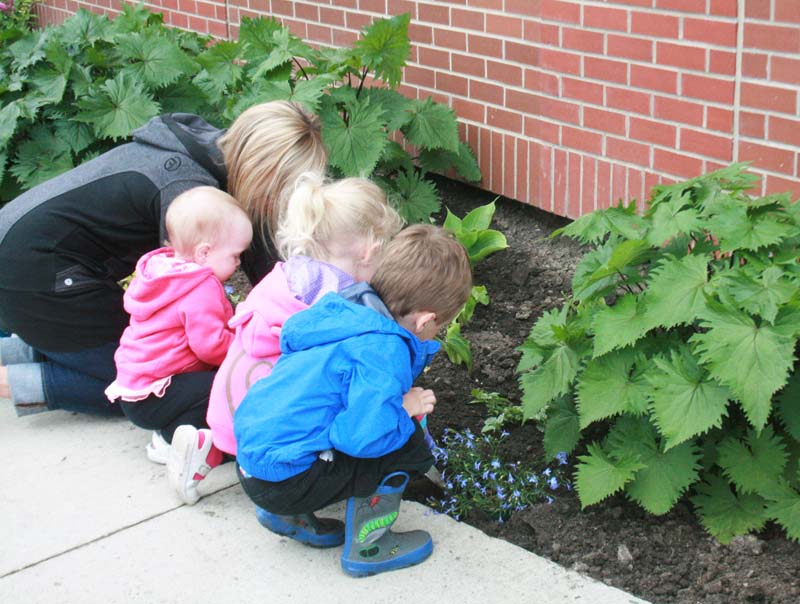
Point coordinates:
[[255, 349], [179, 315]]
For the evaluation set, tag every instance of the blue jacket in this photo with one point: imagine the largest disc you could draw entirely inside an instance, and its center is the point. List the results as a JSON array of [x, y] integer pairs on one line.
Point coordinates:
[[339, 384]]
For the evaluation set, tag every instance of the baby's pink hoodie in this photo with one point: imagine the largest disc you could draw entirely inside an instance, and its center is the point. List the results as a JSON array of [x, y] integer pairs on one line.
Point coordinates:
[[179, 317]]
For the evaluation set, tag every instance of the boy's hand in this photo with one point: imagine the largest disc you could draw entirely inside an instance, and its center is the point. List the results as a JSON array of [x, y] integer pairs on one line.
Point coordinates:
[[419, 401]]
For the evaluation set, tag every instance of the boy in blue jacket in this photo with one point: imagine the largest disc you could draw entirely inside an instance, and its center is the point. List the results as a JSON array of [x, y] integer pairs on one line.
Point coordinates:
[[334, 419]]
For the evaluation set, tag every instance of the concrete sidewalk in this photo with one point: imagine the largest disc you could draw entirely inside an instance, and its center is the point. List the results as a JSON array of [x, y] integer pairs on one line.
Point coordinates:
[[86, 518]]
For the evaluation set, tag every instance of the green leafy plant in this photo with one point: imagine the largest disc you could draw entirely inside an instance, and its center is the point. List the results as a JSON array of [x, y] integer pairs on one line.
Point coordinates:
[[15, 17], [71, 92], [480, 241], [478, 479], [678, 350], [501, 411]]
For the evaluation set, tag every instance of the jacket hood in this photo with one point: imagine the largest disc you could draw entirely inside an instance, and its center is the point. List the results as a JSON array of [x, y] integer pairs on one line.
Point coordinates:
[[188, 134], [335, 318], [153, 288]]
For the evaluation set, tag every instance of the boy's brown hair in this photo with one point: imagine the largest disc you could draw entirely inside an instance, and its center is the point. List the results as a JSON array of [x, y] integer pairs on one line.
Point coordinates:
[[424, 268]]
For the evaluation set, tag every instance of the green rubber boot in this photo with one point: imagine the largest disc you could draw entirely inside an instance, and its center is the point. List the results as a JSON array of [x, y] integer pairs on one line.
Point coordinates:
[[370, 547]]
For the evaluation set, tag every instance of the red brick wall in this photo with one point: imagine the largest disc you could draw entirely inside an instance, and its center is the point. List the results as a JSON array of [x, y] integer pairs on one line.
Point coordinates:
[[570, 105]]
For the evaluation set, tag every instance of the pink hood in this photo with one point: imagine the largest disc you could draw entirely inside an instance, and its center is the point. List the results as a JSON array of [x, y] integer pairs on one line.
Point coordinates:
[[160, 280]]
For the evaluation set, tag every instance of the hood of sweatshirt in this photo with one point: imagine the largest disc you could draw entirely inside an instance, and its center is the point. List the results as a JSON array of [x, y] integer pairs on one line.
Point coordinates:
[[186, 133], [160, 280], [335, 318]]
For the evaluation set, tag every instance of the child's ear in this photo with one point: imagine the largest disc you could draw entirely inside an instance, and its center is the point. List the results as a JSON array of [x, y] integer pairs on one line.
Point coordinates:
[[368, 251], [201, 251], [422, 320]]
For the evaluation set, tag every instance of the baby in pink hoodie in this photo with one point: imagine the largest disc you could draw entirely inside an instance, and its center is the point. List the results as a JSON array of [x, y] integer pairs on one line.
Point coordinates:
[[178, 332], [331, 235]]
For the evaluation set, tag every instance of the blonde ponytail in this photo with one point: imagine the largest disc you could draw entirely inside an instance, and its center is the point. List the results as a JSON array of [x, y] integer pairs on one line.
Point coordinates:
[[321, 216]]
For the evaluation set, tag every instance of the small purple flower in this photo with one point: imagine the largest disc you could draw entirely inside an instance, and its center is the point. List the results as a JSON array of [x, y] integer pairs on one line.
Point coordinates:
[[7, 6], [553, 483], [547, 472], [495, 464], [228, 288], [562, 458], [550, 500]]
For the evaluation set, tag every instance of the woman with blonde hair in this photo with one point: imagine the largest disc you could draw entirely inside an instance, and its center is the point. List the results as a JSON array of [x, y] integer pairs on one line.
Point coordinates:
[[66, 243]]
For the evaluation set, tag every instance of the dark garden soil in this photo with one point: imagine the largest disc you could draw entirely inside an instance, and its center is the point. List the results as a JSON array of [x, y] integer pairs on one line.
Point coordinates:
[[665, 560]]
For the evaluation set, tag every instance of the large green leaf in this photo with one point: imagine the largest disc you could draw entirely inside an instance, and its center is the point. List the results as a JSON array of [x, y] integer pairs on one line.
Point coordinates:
[[752, 360], [610, 385], [121, 106], [41, 157], [685, 401], [432, 126], [384, 48], [676, 292], [221, 69], [9, 115], [551, 379], [761, 294], [355, 145], [620, 221], [48, 84], [414, 197], [619, 325], [85, 28], [665, 475], [561, 430], [286, 47], [788, 405], [754, 464], [78, 136], [154, 58], [737, 229], [784, 507], [724, 514], [256, 37], [396, 108], [487, 242], [584, 287], [599, 476], [440, 160], [29, 50], [673, 218]]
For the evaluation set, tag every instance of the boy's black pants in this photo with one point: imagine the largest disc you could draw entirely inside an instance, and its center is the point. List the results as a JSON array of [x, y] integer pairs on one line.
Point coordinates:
[[327, 482]]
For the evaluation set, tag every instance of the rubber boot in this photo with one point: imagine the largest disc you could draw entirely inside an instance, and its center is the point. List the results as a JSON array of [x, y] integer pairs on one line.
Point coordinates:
[[370, 547], [305, 528]]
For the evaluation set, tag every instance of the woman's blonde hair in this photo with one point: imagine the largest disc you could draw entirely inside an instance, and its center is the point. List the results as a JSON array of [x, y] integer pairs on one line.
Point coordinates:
[[424, 268], [323, 215], [201, 215], [266, 148]]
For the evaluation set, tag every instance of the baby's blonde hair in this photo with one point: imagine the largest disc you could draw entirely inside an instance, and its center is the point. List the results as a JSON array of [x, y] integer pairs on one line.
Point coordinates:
[[321, 215], [200, 215], [266, 148]]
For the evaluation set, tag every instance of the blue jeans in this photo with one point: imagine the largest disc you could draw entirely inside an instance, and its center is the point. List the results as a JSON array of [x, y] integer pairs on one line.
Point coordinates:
[[76, 381]]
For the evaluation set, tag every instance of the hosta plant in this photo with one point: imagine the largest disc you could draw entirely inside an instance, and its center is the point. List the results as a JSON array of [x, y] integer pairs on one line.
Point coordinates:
[[71, 92], [676, 355], [479, 241]]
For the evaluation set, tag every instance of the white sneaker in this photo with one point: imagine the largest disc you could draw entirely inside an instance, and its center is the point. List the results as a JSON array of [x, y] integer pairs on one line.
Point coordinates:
[[188, 462], [157, 449]]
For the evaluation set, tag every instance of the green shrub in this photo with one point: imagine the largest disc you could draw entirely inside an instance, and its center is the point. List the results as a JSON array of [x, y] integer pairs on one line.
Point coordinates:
[[69, 93], [678, 347]]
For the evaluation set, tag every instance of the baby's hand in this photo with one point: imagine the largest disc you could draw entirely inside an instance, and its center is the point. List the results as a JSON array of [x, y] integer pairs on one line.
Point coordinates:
[[419, 401]]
